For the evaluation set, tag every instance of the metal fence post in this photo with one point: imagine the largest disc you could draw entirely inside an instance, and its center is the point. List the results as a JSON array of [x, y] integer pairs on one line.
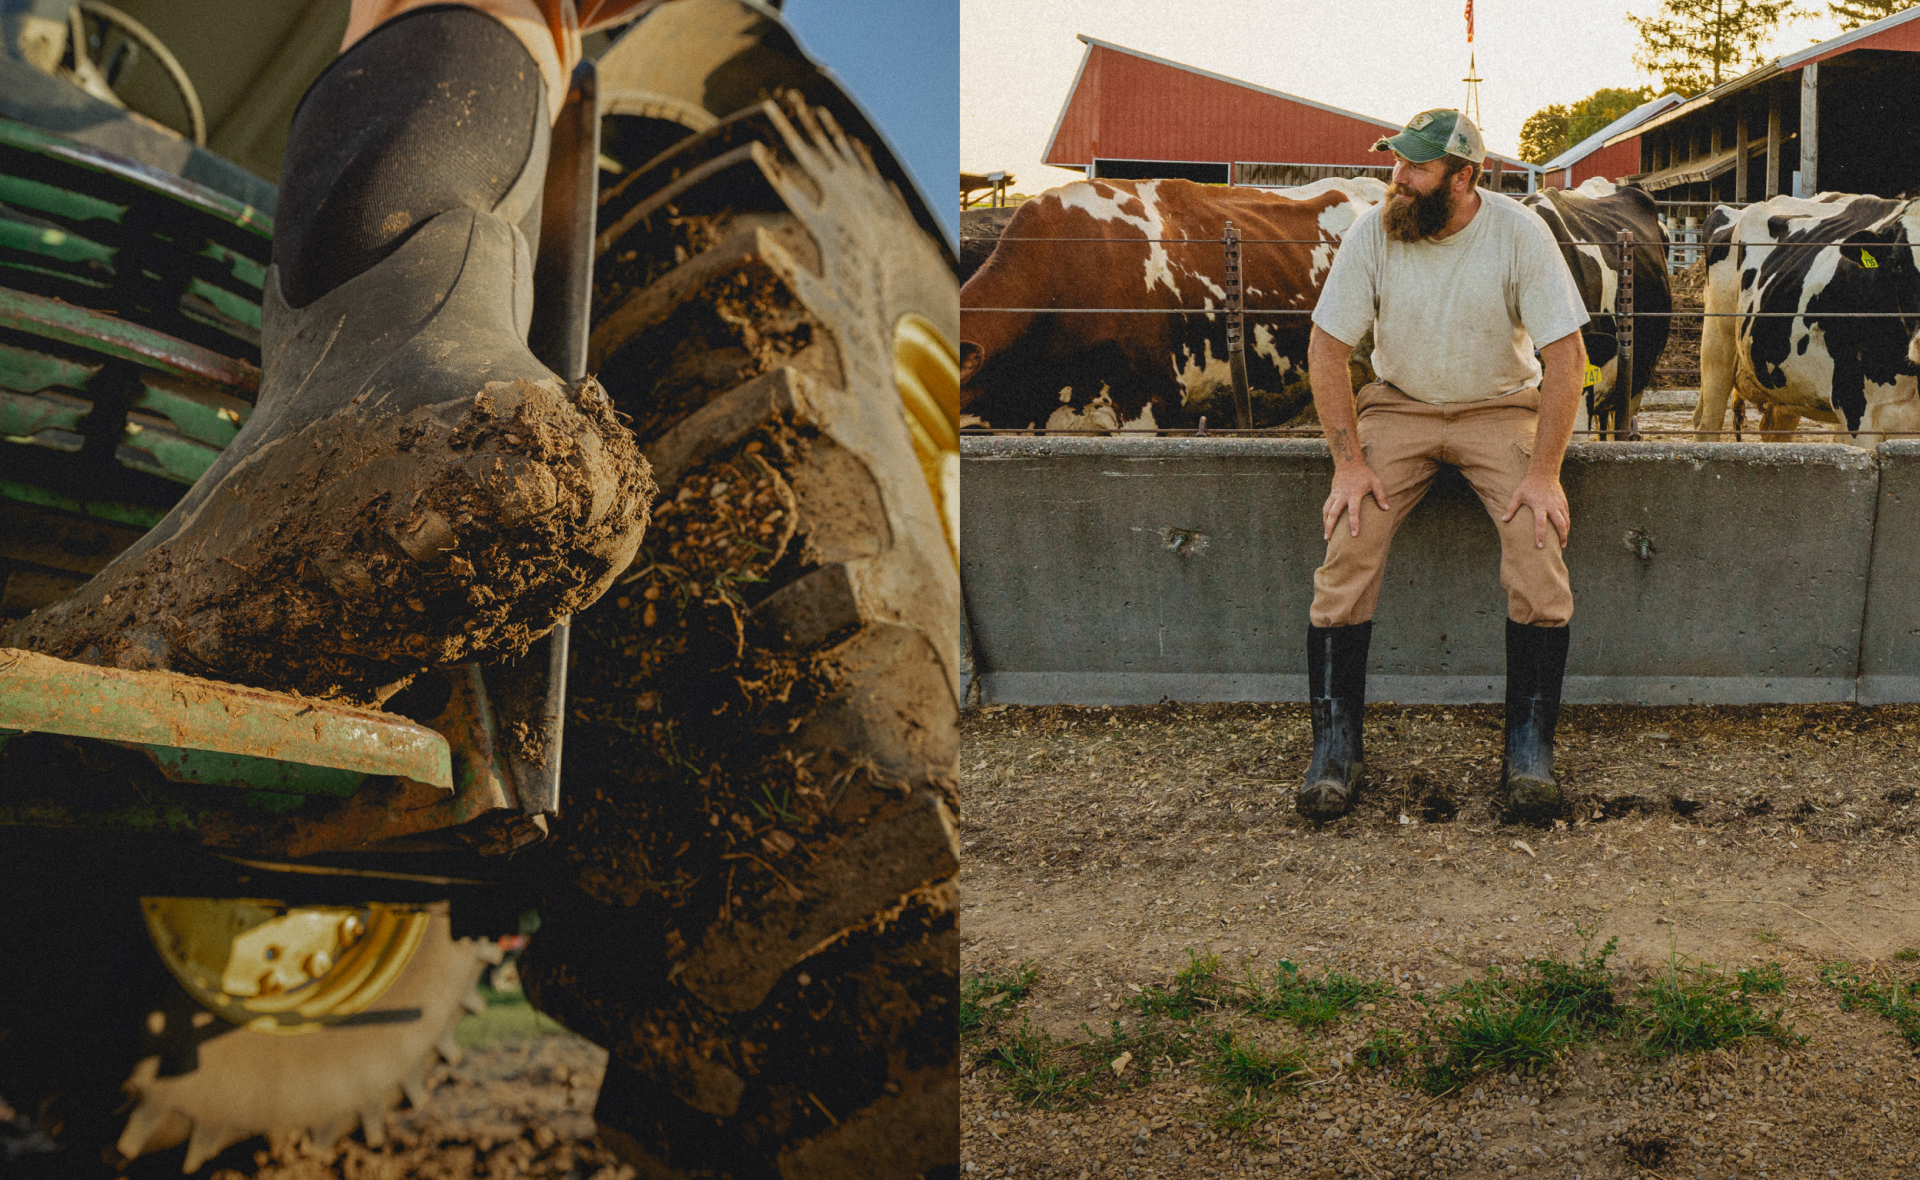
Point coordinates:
[[1623, 333], [1236, 331]]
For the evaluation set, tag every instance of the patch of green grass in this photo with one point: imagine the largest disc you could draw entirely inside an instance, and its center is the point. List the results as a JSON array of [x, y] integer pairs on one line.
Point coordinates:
[[1520, 1020], [1695, 1007], [1491, 1033], [1583, 989], [986, 998], [1385, 1049], [1907, 956], [1196, 988], [1032, 1075], [1307, 1003], [1236, 1066], [1767, 936], [1150, 1042], [1893, 1000], [1770, 980]]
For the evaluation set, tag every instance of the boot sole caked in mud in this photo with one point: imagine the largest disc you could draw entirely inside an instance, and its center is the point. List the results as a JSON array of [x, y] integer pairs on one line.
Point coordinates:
[[1328, 799], [1533, 796], [413, 489]]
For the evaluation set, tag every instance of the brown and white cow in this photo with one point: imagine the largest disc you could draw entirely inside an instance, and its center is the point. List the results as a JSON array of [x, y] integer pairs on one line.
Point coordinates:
[[1134, 369]]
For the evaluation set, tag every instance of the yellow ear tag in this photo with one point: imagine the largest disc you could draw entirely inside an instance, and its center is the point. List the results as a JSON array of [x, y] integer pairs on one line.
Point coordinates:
[[1593, 376], [1867, 261]]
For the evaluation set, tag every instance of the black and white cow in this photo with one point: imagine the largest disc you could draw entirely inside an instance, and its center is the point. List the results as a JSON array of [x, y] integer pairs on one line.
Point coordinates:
[[1596, 212], [1823, 361]]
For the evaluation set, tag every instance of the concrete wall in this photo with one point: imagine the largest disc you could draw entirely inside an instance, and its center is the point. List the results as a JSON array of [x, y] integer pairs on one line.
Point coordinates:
[[1123, 571], [1890, 645]]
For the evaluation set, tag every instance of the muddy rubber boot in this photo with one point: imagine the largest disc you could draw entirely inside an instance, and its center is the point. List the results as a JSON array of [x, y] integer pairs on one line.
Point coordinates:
[[1536, 665], [1337, 694], [413, 488]]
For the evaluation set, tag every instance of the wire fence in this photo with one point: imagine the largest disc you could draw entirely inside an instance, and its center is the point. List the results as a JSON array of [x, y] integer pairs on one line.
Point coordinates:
[[1611, 413]]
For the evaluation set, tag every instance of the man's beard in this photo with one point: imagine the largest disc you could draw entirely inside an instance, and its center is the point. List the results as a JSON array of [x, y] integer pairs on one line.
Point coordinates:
[[1422, 217]]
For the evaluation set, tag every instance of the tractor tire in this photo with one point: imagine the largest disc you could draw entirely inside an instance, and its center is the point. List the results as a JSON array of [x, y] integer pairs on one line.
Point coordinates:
[[122, 1072], [748, 893]]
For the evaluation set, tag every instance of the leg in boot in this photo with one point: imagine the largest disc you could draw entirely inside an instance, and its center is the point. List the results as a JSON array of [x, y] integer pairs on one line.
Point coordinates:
[[413, 487], [1536, 665], [1337, 692]]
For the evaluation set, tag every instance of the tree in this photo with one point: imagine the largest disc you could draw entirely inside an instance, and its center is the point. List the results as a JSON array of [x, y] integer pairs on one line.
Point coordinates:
[[1694, 45], [1853, 13], [1544, 135], [1556, 127]]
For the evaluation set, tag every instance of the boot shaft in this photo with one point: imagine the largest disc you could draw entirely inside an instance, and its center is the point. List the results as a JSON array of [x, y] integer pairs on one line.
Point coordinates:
[[436, 110], [1337, 662], [1536, 671]]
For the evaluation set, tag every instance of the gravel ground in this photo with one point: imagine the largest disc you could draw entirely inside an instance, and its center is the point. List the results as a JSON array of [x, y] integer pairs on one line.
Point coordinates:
[[1105, 846]]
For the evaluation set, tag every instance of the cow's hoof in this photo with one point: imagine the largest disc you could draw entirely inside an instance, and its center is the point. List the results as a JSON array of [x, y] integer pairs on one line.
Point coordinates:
[[1326, 800], [1533, 798]]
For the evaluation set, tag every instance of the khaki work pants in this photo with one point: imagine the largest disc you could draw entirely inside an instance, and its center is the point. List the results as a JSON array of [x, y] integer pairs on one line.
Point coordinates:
[[1405, 442], [550, 29]]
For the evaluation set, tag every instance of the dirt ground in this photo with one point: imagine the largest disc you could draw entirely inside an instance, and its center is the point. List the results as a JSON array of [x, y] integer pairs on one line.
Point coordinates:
[[1104, 847]]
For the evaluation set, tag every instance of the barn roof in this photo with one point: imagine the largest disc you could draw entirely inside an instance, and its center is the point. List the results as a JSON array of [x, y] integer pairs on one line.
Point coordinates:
[[1626, 122], [1094, 43], [1896, 32]]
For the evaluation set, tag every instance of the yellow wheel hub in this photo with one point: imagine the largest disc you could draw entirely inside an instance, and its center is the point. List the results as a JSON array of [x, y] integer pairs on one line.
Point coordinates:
[[278, 968], [926, 371]]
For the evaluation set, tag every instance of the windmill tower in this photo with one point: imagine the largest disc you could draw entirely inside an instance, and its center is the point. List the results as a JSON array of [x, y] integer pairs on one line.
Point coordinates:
[[1472, 107]]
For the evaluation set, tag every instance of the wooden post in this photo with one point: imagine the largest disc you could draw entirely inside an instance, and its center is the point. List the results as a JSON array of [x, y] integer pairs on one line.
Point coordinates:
[[1623, 333], [1740, 157], [1809, 129], [1772, 187], [1236, 331]]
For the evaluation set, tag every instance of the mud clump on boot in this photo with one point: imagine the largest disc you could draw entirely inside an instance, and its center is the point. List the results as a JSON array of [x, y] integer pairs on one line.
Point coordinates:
[[338, 558]]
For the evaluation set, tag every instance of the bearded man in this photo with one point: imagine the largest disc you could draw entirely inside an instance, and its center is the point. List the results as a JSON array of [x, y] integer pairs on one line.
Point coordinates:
[[1459, 286]]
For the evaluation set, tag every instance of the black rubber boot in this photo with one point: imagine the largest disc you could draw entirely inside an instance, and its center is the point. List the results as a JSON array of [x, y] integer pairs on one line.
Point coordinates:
[[413, 488], [1337, 695], [1536, 665]]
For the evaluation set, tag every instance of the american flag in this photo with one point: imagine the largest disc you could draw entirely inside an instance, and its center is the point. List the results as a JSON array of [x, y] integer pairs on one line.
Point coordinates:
[[1469, 22]]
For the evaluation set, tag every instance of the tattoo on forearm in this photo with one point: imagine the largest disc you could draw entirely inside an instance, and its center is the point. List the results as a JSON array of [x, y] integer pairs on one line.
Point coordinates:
[[1341, 444]]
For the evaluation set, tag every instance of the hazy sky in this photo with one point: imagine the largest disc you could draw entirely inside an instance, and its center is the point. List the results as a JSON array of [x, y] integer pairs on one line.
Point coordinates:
[[1384, 58]]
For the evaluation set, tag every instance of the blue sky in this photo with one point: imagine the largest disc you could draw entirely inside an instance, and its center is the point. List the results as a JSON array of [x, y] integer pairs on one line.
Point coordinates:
[[901, 59]]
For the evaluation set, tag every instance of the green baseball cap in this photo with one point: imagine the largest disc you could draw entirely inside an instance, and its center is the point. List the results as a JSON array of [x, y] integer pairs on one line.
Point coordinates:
[[1432, 134]]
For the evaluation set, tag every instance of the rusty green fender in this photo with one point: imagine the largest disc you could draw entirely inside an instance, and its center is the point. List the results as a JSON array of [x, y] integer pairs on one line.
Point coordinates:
[[222, 734]]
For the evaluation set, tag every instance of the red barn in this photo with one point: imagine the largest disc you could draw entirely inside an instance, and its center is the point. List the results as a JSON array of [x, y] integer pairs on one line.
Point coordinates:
[[1133, 116]]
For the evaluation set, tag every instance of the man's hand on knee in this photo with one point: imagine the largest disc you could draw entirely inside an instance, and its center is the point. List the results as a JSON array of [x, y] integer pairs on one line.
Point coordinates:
[[1543, 494], [1353, 482]]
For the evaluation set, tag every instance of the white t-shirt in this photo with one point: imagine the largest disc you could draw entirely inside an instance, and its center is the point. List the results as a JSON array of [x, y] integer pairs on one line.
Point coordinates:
[[1453, 320]]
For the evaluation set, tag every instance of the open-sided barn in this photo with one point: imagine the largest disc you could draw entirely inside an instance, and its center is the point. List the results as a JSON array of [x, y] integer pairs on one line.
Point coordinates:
[[1841, 115]]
